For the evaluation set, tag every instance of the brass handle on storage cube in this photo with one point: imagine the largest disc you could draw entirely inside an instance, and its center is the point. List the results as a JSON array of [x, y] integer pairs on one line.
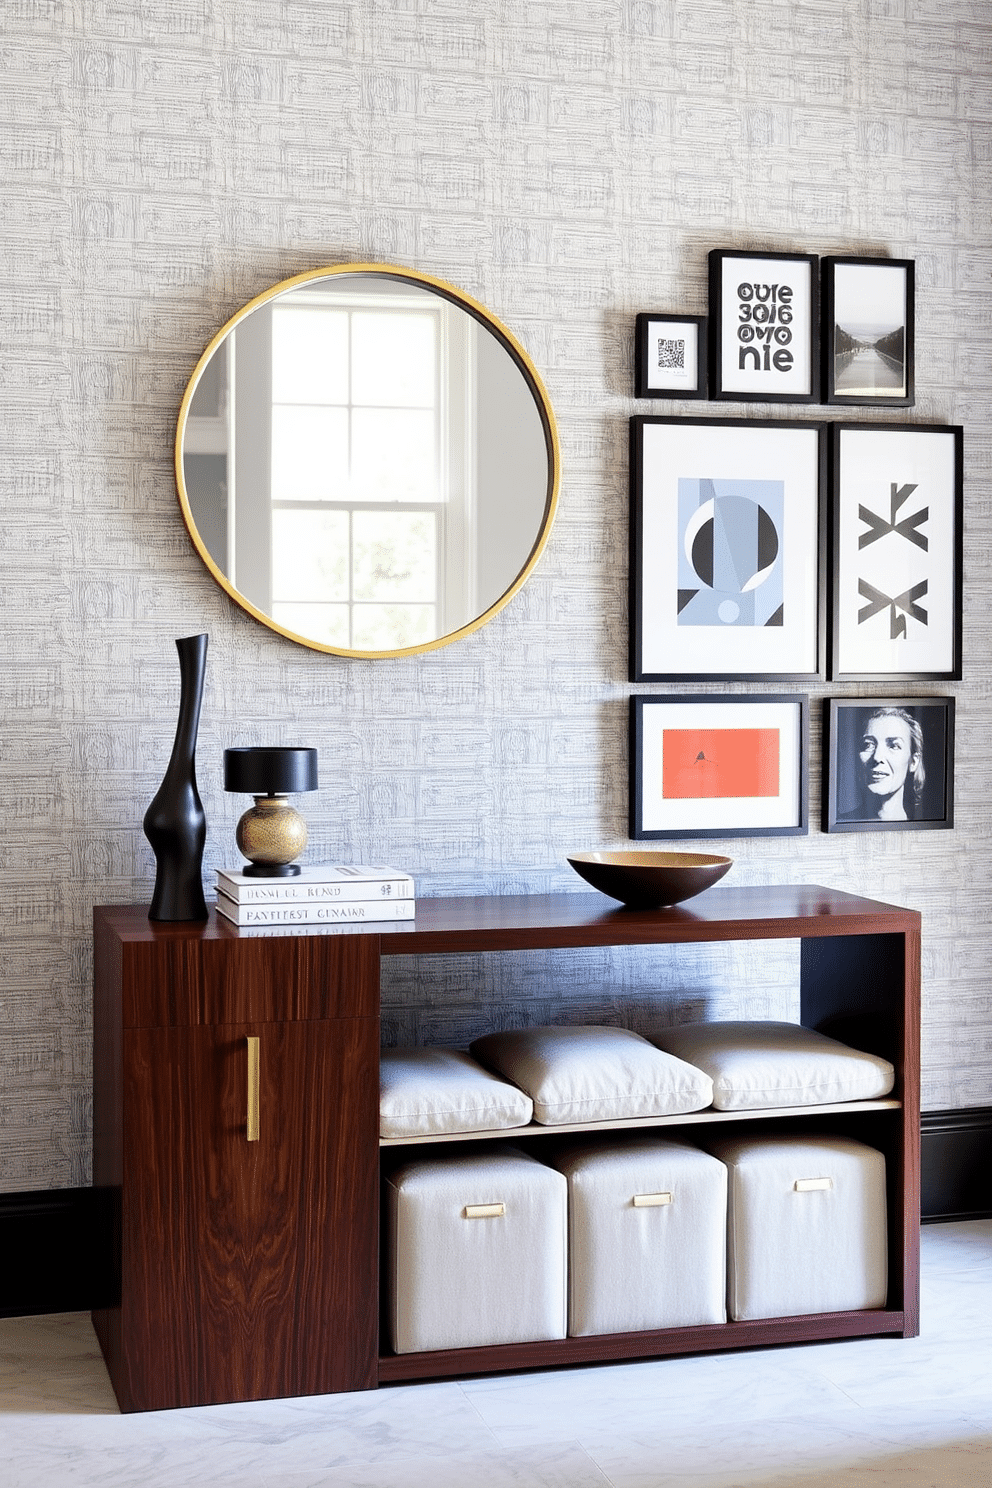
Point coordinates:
[[810, 1185], [651, 1201], [485, 1211]]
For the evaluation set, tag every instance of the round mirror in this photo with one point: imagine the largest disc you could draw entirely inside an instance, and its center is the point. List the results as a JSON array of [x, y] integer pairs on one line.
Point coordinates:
[[367, 461]]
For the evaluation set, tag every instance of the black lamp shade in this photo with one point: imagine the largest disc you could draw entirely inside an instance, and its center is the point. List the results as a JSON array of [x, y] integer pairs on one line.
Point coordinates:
[[270, 772]]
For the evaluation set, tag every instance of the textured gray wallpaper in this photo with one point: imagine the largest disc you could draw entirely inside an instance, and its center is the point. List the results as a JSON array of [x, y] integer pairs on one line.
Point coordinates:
[[568, 163]]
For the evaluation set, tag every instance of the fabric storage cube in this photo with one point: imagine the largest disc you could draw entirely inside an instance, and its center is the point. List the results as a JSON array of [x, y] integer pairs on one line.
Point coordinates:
[[476, 1251], [806, 1225], [589, 1073], [755, 1065], [647, 1235], [430, 1092]]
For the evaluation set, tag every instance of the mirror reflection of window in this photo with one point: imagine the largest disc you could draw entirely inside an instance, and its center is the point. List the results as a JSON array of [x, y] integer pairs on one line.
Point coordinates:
[[361, 423], [310, 563]]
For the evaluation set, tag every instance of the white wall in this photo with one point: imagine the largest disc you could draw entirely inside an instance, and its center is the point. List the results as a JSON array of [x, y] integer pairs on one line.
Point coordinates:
[[569, 164]]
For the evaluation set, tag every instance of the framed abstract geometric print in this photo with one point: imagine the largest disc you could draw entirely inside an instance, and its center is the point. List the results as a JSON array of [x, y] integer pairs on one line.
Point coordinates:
[[727, 532], [897, 545]]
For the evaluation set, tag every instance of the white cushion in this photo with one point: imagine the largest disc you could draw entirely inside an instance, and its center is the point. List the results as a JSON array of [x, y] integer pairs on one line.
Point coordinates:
[[593, 1074], [757, 1065], [806, 1226], [461, 1278], [430, 1092], [647, 1235]]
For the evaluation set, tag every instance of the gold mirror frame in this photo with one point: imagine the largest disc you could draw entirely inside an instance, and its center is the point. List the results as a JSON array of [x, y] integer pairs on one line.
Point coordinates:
[[527, 370]]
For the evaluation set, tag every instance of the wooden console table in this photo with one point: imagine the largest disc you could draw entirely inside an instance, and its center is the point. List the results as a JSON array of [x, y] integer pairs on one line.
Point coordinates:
[[250, 1268]]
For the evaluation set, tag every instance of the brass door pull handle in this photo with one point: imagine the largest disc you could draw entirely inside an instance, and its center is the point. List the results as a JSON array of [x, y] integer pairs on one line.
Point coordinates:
[[253, 1090]]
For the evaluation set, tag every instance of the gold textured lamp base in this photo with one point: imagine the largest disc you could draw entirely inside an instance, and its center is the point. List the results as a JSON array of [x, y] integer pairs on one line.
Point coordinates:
[[270, 835]]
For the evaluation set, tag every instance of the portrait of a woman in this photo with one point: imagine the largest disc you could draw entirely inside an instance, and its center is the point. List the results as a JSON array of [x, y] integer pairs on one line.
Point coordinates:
[[893, 773], [890, 764]]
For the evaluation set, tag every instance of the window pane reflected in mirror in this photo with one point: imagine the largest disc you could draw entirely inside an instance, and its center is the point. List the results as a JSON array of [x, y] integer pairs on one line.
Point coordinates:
[[386, 559], [309, 356], [309, 556], [395, 556], [393, 455], [389, 627], [394, 358], [309, 454], [325, 623]]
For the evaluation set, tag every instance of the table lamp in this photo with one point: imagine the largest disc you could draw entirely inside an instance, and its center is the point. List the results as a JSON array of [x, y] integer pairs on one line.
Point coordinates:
[[271, 833]]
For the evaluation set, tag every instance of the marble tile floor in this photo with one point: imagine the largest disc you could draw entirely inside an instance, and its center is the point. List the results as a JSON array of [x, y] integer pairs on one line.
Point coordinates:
[[874, 1413]]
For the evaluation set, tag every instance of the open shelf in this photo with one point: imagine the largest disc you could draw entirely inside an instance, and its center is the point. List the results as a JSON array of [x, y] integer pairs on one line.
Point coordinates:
[[606, 1348], [535, 1129]]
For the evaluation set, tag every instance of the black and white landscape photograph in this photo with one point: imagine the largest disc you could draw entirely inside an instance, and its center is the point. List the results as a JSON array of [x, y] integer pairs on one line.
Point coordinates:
[[869, 331]]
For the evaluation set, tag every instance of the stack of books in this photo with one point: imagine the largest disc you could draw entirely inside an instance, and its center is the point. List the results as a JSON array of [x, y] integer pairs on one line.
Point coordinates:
[[326, 895]]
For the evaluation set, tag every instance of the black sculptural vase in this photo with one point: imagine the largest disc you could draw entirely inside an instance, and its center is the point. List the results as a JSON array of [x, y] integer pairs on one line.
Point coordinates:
[[175, 823]]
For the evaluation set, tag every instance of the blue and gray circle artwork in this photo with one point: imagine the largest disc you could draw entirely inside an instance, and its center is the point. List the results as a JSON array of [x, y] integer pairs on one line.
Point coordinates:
[[730, 570]]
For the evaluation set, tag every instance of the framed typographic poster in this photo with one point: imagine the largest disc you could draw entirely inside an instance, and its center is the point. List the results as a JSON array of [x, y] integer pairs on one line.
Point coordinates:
[[764, 327], [889, 764], [897, 545], [727, 530], [718, 766], [670, 356], [868, 332]]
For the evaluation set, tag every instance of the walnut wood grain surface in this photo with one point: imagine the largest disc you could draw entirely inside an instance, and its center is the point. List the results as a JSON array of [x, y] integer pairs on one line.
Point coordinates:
[[184, 974], [865, 990], [545, 921], [540, 921], [604, 1347], [108, 1115], [249, 1269]]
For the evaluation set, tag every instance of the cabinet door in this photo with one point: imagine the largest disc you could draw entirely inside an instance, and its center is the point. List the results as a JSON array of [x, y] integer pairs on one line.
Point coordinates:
[[249, 1268]]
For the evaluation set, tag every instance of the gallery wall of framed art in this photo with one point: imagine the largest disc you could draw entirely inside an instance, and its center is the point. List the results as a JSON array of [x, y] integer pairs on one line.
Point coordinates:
[[792, 550]]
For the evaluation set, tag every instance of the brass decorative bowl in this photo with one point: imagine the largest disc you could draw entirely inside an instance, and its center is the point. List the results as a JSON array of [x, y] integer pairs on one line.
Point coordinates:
[[650, 880]]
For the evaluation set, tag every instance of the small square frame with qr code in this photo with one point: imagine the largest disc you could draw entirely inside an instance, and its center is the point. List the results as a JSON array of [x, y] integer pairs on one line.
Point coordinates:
[[670, 356]]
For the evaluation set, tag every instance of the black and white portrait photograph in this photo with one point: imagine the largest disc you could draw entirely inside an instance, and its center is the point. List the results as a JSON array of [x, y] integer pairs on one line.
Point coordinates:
[[868, 331], [890, 764]]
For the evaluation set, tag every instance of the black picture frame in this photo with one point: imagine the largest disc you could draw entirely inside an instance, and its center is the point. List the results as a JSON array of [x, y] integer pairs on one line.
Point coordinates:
[[683, 373], [888, 764], [764, 326], [868, 337], [705, 614], [719, 766], [897, 513]]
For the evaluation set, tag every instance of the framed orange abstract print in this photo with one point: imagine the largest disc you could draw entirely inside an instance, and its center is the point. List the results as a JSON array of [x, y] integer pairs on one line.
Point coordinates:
[[718, 766]]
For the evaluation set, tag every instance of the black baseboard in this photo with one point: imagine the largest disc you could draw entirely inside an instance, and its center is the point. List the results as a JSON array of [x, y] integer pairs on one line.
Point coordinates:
[[955, 1176], [57, 1252], [57, 1246]]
